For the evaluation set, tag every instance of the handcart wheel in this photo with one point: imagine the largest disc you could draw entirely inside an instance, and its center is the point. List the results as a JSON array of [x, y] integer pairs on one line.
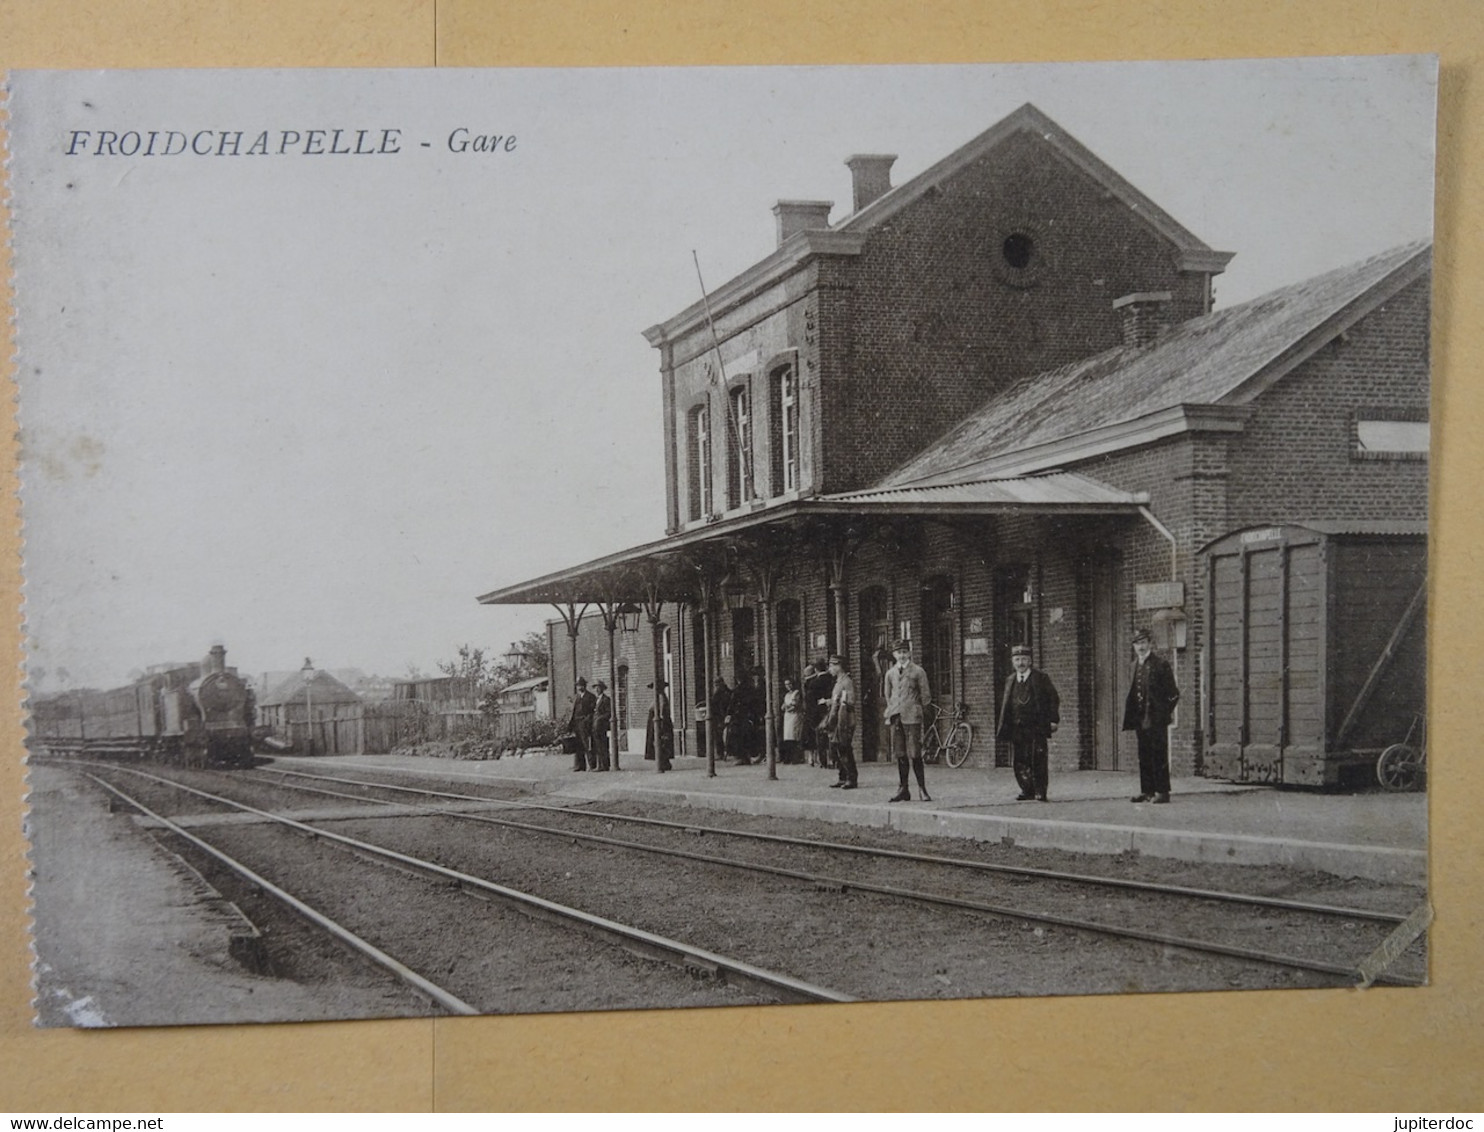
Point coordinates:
[[1399, 767]]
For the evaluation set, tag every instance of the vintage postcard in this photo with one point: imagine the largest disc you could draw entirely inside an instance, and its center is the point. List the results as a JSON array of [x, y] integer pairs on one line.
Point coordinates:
[[505, 541]]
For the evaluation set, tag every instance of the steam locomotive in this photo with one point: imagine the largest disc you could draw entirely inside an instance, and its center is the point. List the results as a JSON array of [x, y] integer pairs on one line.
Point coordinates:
[[198, 714]]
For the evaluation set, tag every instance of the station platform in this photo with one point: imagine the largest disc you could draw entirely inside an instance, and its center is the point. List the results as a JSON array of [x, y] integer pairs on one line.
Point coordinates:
[[1374, 835]]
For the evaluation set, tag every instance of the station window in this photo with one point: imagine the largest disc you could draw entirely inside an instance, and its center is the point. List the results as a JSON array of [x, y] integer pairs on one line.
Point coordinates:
[[739, 437], [698, 458], [784, 423]]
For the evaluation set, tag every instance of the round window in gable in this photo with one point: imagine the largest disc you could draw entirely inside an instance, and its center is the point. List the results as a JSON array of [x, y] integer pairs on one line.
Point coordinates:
[[1018, 249], [1018, 255]]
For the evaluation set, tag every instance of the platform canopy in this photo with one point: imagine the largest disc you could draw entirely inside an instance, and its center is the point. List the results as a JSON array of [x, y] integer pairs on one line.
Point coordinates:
[[681, 567]]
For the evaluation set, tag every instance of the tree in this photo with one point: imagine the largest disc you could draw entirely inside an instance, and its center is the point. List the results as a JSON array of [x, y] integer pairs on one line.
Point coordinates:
[[530, 660], [469, 665]]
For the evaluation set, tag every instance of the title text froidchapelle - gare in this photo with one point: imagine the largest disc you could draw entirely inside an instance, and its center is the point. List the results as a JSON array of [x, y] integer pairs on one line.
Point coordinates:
[[329, 141]]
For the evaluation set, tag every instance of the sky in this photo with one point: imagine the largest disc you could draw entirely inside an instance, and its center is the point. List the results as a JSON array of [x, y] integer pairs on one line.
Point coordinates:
[[312, 405]]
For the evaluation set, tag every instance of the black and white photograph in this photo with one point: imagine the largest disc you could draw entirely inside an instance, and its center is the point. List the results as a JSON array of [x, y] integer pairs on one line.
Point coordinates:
[[541, 540]]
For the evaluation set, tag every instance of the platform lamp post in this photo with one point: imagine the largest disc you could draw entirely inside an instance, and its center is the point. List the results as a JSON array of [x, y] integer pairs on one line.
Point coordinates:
[[308, 673], [572, 618], [616, 615], [734, 597], [708, 587]]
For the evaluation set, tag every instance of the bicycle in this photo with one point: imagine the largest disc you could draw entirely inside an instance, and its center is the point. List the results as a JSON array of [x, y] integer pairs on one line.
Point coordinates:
[[953, 746], [1403, 766]]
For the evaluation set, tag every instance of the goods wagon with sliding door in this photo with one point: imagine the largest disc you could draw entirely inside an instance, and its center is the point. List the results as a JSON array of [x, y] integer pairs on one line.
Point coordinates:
[[1315, 650]]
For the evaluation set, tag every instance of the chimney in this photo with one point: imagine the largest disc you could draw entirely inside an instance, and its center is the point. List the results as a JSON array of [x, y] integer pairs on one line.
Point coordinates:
[[1146, 316], [870, 176], [216, 660], [800, 215]]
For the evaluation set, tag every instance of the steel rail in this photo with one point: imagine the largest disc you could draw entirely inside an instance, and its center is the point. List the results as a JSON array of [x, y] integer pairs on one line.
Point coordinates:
[[650, 943], [431, 990], [1290, 962], [899, 854]]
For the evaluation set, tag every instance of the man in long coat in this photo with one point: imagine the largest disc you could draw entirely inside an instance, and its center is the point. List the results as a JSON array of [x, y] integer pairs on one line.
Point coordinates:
[[580, 723], [602, 723], [839, 723], [1147, 712], [1030, 710]]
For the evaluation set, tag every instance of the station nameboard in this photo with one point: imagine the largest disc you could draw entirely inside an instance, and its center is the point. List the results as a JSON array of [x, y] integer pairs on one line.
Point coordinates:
[[1161, 595]]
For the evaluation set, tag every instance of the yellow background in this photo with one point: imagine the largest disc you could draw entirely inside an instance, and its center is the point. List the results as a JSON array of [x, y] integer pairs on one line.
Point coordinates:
[[1333, 1050]]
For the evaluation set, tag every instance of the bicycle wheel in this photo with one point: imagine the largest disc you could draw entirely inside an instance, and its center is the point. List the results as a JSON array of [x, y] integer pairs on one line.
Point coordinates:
[[960, 739], [1398, 768]]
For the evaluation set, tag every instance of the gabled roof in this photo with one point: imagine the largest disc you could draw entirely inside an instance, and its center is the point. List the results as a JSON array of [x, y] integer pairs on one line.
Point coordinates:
[[847, 237], [1194, 253], [325, 689], [1204, 371]]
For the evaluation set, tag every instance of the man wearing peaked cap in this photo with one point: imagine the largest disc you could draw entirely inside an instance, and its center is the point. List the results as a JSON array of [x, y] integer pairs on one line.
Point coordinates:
[[907, 694], [1147, 712], [1030, 711]]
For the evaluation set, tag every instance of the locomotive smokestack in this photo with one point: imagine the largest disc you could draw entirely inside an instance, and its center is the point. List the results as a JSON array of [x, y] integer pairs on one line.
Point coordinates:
[[216, 660]]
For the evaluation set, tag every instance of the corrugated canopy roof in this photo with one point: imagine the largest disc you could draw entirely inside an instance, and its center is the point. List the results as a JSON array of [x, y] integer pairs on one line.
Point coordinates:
[[1211, 360], [671, 563]]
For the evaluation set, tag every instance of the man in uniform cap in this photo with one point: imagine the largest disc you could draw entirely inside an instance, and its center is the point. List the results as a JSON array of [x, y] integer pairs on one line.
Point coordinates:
[[907, 694], [1152, 697], [580, 722], [1030, 710], [602, 722]]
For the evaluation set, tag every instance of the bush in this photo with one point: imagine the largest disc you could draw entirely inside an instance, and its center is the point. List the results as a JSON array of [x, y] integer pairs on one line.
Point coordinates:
[[535, 733]]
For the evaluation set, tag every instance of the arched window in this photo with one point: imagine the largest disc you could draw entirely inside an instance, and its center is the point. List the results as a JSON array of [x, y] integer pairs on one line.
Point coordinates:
[[784, 429], [698, 459], [621, 697], [739, 444]]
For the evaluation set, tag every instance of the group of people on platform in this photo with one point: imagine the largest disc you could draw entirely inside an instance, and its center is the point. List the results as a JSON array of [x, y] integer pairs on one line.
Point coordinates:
[[819, 717], [589, 726]]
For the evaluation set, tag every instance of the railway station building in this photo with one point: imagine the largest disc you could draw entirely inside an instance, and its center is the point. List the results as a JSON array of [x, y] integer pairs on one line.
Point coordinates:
[[996, 405]]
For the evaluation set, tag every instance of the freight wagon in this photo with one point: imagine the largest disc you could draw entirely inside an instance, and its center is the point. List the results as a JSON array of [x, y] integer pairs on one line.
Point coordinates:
[[1315, 650]]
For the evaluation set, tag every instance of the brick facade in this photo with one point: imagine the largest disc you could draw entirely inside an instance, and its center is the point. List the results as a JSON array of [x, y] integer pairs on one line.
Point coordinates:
[[904, 322]]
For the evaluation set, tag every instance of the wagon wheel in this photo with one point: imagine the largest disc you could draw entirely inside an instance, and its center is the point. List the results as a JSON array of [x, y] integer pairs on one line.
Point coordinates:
[[1399, 767], [960, 739]]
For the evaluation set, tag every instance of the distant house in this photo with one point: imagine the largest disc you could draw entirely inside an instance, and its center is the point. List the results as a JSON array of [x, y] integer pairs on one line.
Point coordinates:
[[318, 714], [521, 704]]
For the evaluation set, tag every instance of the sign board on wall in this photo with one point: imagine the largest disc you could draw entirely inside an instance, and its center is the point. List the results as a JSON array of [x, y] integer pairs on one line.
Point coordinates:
[[1161, 595]]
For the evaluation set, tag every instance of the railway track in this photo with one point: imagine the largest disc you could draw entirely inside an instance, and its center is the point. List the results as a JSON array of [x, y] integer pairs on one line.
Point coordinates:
[[567, 816], [735, 972]]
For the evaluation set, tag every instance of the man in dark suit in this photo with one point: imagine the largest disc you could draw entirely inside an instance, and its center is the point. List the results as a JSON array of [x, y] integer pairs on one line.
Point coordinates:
[[580, 723], [1152, 697], [1030, 711], [602, 722]]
